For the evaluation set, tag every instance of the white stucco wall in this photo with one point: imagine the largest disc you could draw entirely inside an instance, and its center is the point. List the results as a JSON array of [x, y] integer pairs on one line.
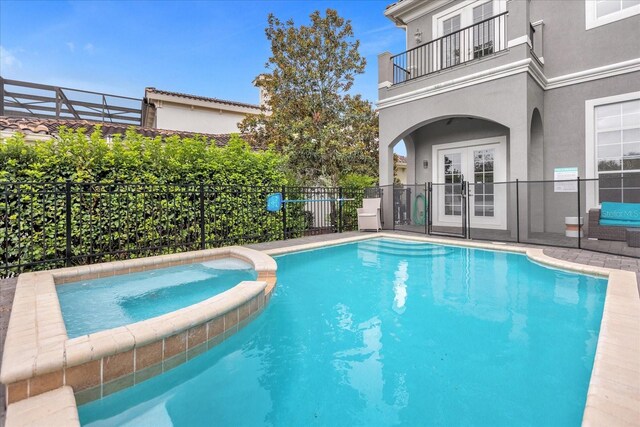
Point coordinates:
[[195, 119]]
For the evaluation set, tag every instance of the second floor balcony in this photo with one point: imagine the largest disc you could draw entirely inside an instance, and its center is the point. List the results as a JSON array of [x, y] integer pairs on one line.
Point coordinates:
[[470, 43]]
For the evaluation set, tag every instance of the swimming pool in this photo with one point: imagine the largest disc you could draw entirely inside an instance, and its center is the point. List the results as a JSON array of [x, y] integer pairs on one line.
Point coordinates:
[[386, 332], [94, 305]]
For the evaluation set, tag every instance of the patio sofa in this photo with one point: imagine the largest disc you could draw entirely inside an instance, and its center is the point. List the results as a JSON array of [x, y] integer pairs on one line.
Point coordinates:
[[612, 220]]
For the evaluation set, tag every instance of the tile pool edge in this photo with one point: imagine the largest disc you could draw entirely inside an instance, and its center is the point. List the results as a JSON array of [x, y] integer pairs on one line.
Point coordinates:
[[39, 356], [613, 397]]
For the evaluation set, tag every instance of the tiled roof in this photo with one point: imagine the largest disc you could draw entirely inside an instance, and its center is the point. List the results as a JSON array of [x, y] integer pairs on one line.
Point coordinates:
[[201, 98], [402, 159], [50, 127]]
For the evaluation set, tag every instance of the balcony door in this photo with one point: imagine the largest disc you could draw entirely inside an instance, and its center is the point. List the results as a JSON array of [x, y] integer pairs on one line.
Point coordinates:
[[450, 44], [481, 163], [483, 30], [466, 31]]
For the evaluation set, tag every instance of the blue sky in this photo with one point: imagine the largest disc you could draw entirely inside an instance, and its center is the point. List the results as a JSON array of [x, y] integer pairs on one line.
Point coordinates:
[[209, 48]]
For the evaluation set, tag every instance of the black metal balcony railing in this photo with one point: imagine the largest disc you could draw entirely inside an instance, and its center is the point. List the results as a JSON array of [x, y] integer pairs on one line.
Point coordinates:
[[467, 44]]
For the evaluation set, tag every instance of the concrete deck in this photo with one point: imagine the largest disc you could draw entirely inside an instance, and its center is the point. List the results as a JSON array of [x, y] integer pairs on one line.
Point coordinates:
[[7, 290]]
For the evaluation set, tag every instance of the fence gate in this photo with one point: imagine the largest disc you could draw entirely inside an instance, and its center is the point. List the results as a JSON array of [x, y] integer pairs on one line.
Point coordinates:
[[410, 208], [448, 209]]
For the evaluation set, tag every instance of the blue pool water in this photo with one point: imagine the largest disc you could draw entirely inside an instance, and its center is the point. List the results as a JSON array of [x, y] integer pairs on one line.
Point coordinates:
[[95, 305], [383, 333]]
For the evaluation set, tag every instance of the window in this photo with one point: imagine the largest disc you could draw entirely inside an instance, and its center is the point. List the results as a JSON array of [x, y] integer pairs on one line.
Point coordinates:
[[483, 178], [483, 34], [617, 140], [482, 12], [601, 12], [451, 43], [607, 7], [453, 184], [451, 25]]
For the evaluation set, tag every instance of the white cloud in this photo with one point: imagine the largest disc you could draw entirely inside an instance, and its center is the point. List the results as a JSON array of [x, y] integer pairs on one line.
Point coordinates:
[[8, 59], [71, 46], [89, 47]]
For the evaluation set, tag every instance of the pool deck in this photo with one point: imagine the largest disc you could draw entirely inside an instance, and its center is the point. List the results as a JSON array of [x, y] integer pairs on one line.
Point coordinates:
[[587, 258]]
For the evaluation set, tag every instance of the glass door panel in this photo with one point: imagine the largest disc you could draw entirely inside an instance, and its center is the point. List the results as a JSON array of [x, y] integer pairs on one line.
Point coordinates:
[[482, 166], [483, 174], [453, 184], [483, 32], [451, 41]]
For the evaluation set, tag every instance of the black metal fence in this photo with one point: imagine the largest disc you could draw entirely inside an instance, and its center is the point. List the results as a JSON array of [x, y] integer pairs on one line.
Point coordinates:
[[50, 225], [458, 47], [548, 213]]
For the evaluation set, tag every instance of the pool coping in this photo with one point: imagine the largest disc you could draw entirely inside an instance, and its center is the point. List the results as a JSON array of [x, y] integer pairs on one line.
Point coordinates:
[[40, 357], [613, 396]]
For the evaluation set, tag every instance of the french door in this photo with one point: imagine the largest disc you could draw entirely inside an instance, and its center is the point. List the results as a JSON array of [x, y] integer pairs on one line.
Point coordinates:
[[481, 166]]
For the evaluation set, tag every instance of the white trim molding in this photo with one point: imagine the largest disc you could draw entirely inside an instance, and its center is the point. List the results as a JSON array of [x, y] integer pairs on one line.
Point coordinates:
[[594, 73], [591, 170], [465, 10], [499, 220], [527, 65], [408, 10], [592, 21], [518, 41]]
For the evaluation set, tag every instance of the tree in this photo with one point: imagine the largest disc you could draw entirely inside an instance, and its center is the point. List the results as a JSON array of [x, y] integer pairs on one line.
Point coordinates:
[[324, 132]]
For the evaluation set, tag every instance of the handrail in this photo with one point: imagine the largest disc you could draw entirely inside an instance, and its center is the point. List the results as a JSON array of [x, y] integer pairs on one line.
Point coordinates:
[[451, 34], [445, 51], [50, 87], [27, 99]]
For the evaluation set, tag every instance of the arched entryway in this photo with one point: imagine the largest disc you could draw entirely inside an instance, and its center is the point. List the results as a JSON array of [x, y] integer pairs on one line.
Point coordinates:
[[449, 150]]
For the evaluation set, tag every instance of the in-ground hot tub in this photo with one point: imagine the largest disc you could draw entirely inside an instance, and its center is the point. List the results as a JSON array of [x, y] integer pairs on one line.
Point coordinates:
[[143, 317], [90, 306]]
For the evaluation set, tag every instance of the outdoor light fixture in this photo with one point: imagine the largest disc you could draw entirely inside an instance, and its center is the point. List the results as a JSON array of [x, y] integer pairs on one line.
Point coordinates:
[[418, 36], [425, 164]]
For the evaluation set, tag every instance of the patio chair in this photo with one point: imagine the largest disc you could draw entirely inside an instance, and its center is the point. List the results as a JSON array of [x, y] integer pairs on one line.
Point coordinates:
[[369, 215]]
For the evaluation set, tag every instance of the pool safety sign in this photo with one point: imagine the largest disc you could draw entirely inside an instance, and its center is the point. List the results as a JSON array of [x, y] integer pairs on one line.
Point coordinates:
[[568, 180]]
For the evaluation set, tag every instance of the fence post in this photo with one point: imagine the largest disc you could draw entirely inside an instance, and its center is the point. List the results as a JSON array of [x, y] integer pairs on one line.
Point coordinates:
[[425, 209], [339, 209], [517, 211], [579, 211], [463, 194], [202, 233], [429, 207], [67, 190], [284, 213]]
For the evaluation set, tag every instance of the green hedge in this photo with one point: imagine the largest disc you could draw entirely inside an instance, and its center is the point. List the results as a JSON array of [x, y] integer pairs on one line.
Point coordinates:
[[138, 196]]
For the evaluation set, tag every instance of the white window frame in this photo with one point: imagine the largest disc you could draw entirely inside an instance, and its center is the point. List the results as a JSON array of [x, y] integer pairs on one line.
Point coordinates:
[[465, 9], [499, 220], [591, 168], [592, 21]]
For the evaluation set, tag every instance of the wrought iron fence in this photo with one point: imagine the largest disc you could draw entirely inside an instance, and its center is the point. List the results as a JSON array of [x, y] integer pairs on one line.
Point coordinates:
[[467, 44], [561, 213], [50, 225]]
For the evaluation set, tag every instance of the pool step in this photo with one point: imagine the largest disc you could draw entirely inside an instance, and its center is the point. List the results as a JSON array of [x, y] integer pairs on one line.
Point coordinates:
[[413, 253], [418, 248]]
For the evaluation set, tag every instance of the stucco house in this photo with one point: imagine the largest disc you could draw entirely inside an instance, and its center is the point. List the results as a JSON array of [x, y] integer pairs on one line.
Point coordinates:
[[183, 112], [492, 91], [157, 112], [401, 169]]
